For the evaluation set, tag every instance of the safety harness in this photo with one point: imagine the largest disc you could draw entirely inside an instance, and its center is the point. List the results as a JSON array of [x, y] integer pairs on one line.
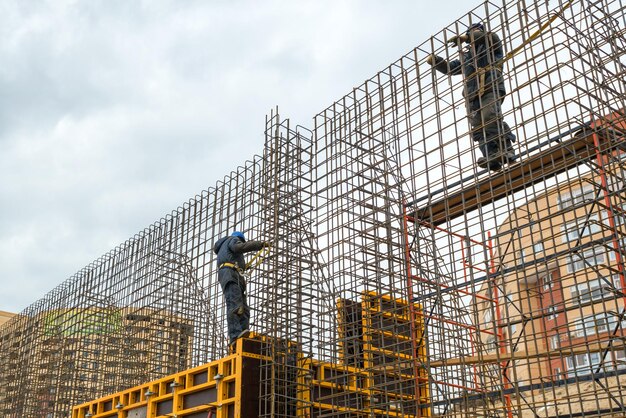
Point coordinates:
[[498, 65], [257, 259], [231, 266]]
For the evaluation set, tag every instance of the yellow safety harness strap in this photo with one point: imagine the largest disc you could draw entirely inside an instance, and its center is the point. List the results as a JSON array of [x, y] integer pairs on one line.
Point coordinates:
[[230, 265], [481, 72], [534, 35], [260, 255], [258, 258]]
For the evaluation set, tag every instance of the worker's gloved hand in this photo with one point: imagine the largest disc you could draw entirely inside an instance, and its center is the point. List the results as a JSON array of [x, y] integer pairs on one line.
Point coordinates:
[[431, 59], [266, 244], [455, 40], [240, 310]]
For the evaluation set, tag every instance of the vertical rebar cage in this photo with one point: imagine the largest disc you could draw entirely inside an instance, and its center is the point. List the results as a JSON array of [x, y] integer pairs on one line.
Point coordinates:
[[403, 280]]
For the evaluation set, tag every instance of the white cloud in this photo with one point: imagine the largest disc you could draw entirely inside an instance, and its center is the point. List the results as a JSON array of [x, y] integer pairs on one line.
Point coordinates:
[[113, 112]]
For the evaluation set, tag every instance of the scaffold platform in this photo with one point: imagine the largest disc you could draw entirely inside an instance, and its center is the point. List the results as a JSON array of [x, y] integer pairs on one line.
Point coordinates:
[[554, 157]]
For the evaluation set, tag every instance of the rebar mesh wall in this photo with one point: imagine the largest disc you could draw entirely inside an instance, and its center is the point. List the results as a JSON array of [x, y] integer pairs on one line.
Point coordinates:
[[291, 287], [149, 308], [403, 280], [520, 292]]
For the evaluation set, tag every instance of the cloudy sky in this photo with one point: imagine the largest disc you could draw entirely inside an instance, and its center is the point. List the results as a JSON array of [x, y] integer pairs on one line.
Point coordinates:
[[114, 112]]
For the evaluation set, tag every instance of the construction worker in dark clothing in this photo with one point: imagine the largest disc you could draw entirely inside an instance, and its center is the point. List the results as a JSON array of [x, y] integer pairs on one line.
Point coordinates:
[[483, 91], [231, 265]]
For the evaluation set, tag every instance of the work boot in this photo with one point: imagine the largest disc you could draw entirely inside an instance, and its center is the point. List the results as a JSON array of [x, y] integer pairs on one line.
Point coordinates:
[[482, 162], [495, 165], [243, 334], [510, 157]]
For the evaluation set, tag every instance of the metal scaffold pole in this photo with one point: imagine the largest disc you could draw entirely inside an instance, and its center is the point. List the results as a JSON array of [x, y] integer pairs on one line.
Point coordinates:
[[447, 240]]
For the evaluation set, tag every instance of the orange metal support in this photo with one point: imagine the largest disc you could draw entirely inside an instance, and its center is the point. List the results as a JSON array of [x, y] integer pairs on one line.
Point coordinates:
[[413, 315], [609, 206], [461, 291], [499, 325], [494, 299]]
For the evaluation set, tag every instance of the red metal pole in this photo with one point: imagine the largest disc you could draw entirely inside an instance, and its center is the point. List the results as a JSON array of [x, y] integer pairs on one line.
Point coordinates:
[[609, 206], [499, 336], [413, 316]]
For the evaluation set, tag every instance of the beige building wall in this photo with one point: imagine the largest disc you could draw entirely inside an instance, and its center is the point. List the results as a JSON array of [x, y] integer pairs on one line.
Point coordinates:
[[559, 296], [5, 317], [92, 352]]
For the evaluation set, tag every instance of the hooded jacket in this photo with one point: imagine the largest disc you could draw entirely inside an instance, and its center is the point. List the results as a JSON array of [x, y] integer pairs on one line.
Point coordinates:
[[231, 250], [484, 50]]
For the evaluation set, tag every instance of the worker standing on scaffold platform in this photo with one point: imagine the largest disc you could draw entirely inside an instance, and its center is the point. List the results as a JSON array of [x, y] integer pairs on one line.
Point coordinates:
[[484, 91], [231, 266]]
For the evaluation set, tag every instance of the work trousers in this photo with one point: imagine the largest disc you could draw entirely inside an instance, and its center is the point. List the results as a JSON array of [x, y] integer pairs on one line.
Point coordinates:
[[488, 127], [237, 309]]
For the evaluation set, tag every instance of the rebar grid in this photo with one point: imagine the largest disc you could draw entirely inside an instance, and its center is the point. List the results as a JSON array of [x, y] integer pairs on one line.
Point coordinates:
[[403, 280], [147, 309], [498, 343], [289, 277]]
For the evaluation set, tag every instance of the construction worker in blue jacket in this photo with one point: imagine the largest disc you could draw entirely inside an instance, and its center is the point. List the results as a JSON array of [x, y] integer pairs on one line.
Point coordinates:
[[231, 265], [484, 92]]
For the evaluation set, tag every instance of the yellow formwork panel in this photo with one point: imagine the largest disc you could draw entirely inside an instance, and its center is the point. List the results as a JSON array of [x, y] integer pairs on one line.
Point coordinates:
[[216, 389], [380, 311], [344, 389], [388, 355], [304, 379], [211, 390], [349, 328]]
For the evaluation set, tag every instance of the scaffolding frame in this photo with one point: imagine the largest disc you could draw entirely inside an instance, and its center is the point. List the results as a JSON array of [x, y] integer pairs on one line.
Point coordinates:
[[403, 280]]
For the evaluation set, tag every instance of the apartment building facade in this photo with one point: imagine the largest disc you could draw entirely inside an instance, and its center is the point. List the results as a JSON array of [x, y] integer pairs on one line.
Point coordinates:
[[558, 282], [62, 357]]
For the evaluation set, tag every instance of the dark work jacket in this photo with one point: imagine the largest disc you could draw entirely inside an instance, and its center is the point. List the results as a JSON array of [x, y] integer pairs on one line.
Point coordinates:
[[231, 250], [484, 51]]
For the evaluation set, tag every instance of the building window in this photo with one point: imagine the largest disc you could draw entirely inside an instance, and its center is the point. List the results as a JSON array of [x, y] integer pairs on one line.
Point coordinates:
[[538, 248], [555, 342], [488, 317], [620, 359], [597, 289], [491, 344], [619, 211], [557, 373], [590, 257], [594, 324], [583, 364], [622, 249], [584, 194], [615, 183], [581, 227], [620, 215], [547, 281], [552, 312]]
